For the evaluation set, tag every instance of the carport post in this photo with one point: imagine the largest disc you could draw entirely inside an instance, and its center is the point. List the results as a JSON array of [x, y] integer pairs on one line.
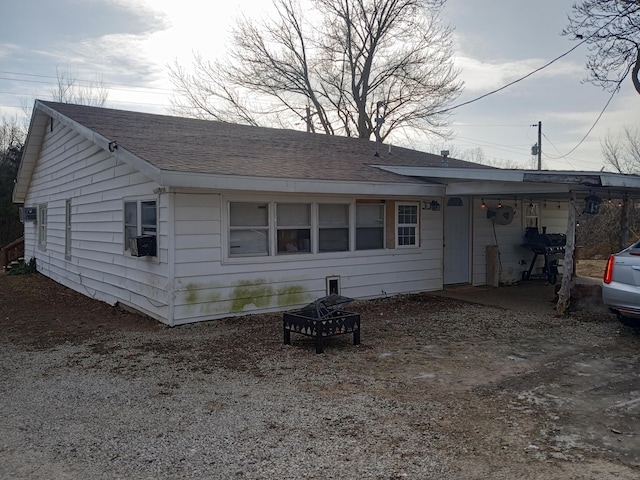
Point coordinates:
[[564, 295]]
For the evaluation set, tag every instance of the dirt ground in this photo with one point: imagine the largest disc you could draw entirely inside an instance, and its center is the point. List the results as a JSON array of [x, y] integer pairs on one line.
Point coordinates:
[[512, 394]]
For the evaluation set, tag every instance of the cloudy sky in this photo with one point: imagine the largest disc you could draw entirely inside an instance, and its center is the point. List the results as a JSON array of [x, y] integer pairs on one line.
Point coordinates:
[[129, 43]]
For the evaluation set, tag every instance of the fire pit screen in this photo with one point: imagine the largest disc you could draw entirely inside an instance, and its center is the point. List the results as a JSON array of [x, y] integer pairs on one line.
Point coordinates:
[[321, 319]]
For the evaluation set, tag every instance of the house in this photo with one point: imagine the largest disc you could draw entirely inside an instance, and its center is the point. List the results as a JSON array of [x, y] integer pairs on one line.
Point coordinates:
[[188, 220]]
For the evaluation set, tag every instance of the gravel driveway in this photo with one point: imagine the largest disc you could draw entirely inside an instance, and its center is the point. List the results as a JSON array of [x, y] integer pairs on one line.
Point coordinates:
[[439, 389]]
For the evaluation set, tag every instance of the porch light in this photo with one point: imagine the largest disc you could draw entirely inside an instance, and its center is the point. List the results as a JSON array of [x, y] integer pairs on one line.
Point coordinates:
[[484, 205]]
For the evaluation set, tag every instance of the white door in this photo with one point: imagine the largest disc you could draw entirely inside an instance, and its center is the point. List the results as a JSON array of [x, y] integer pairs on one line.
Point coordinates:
[[457, 241]]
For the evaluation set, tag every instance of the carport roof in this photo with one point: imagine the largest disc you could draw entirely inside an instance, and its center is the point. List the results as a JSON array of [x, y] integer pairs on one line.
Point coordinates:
[[535, 183]]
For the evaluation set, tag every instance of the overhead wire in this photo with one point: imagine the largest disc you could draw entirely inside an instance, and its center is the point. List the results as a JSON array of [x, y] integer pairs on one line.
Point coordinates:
[[585, 39]]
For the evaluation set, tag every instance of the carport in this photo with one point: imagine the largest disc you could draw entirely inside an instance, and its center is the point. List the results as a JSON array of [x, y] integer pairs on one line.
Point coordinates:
[[583, 190]]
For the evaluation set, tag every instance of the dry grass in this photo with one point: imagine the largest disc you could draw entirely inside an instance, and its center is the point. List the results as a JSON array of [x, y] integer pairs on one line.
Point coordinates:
[[591, 268]]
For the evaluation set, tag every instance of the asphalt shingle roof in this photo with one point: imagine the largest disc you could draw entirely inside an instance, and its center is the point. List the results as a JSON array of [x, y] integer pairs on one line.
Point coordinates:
[[179, 144]]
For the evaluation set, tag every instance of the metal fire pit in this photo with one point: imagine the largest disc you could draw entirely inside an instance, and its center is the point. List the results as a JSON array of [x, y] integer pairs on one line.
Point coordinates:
[[321, 319]]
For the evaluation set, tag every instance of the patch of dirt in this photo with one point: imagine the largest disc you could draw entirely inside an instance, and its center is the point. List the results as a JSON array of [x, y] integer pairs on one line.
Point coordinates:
[[501, 393]]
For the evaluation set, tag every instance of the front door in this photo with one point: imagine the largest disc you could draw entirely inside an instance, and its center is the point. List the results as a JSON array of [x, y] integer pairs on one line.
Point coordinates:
[[457, 241]]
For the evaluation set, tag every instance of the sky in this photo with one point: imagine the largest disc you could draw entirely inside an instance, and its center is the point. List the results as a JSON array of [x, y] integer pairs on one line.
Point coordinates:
[[128, 45]]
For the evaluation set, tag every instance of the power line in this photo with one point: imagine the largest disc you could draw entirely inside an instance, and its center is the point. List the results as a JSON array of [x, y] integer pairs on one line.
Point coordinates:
[[88, 82]]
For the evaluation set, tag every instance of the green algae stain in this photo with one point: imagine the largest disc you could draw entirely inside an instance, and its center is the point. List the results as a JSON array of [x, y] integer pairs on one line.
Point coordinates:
[[291, 295], [192, 293], [249, 292]]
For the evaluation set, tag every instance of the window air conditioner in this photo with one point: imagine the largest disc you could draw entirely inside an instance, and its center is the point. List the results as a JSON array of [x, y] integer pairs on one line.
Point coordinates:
[[143, 246]]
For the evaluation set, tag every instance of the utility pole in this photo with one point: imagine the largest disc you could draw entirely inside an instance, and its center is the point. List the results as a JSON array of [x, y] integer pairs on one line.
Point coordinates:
[[539, 145], [537, 148]]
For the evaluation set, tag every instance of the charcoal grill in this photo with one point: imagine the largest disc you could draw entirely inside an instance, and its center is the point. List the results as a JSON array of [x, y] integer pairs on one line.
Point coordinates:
[[551, 245], [322, 319]]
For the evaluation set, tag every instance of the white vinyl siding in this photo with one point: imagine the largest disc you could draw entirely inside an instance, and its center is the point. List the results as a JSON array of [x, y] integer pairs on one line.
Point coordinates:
[[70, 167], [212, 283]]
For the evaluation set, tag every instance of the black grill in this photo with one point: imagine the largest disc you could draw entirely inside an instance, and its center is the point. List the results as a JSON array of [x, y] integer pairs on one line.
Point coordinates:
[[551, 245]]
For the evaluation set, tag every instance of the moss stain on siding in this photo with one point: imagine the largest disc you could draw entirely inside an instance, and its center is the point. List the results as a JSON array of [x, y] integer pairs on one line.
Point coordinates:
[[192, 293], [251, 292], [291, 295]]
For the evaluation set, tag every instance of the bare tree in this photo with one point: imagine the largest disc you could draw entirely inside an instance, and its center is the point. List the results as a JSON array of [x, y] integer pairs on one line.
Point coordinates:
[[366, 67], [622, 151], [71, 90], [611, 28], [12, 137]]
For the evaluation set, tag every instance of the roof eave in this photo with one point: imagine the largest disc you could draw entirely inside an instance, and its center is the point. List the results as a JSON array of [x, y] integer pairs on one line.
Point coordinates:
[[175, 179]]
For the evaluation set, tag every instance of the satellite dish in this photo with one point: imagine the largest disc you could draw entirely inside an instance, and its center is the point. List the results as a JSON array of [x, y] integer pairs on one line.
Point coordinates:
[[502, 215]]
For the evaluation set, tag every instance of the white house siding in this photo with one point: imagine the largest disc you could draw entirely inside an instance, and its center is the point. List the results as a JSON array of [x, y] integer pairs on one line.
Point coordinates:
[[70, 167], [514, 259], [208, 285]]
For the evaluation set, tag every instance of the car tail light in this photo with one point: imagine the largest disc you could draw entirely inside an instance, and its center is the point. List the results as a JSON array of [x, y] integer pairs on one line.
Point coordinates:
[[608, 272]]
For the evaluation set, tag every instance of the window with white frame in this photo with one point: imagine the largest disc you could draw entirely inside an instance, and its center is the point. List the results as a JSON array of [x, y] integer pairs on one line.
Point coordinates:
[[248, 229], [268, 228], [140, 218], [333, 227], [293, 228], [406, 224], [42, 226], [369, 226], [67, 229]]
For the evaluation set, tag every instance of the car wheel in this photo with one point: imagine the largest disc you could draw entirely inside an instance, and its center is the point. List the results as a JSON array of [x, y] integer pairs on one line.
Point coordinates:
[[629, 322]]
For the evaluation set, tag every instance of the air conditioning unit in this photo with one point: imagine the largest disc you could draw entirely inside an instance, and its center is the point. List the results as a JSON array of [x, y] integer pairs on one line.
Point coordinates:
[[143, 246], [29, 214]]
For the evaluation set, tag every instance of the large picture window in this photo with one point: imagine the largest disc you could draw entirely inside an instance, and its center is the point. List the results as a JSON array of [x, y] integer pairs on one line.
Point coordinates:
[[140, 218], [333, 227], [407, 225], [369, 226], [248, 229], [269, 228]]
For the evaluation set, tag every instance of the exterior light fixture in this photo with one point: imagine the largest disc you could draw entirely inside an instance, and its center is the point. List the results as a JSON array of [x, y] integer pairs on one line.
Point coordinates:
[[484, 205]]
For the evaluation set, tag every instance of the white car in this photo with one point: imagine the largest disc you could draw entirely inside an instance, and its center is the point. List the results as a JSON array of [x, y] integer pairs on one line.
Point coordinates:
[[621, 285]]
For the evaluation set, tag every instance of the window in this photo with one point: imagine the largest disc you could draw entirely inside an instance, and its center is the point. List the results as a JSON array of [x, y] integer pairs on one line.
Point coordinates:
[[531, 215], [140, 218], [369, 226], [248, 229], [269, 228], [333, 227], [67, 229], [406, 224], [293, 226], [42, 226]]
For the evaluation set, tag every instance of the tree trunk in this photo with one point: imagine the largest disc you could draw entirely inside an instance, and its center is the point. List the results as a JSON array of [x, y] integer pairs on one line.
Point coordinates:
[[564, 295], [624, 223], [634, 73]]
